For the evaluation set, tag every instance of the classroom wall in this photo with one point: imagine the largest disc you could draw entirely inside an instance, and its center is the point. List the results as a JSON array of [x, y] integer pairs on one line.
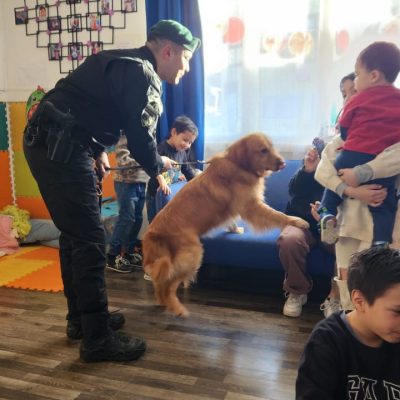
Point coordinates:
[[22, 69]]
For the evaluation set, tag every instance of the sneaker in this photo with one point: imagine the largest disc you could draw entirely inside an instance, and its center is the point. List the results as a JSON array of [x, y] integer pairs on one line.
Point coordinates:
[[74, 326], [115, 347], [147, 277], [381, 245], [328, 225], [294, 304], [330, 306], [119, 264], [134, 259]]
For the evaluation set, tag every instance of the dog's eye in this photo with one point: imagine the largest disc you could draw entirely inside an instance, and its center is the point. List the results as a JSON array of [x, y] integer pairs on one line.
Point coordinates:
[[264, 151]]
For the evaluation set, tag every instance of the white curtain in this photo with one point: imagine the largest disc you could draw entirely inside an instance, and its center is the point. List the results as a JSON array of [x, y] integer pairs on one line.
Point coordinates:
[[274, 65]]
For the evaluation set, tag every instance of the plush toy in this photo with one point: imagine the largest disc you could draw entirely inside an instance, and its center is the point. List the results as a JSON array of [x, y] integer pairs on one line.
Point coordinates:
[[20, 220], [8, 241], [33, 102]]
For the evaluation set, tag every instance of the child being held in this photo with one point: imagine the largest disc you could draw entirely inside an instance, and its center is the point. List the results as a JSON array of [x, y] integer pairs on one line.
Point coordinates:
[[182, 135], [370, 123], [357, 355]]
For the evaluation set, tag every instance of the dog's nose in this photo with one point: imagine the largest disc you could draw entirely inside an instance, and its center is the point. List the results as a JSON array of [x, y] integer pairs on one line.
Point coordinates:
[[280, 164]]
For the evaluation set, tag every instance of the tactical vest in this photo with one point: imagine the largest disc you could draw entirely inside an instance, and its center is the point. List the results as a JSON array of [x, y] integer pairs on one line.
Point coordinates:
[[86, 93]]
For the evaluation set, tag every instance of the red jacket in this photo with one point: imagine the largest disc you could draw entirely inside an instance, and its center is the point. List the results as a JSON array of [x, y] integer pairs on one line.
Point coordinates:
[[372, 120]]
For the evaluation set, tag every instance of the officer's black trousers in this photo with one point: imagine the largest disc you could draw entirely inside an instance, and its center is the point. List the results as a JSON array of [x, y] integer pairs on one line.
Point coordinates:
[[70, 195]]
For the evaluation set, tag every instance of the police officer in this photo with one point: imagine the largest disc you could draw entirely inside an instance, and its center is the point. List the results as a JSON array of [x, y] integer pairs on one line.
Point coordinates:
[[111, 91]]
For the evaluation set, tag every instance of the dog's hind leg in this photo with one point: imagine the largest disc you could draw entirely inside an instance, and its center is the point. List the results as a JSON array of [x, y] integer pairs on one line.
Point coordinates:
[[160, 272], [173, 304], [186, 262]]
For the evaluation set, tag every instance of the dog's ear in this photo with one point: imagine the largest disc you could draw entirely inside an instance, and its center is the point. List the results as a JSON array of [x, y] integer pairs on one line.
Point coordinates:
[[238, 153]]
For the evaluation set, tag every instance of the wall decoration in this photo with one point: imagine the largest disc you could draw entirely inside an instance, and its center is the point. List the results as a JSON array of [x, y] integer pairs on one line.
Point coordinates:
[[21, 16], [71, 30]]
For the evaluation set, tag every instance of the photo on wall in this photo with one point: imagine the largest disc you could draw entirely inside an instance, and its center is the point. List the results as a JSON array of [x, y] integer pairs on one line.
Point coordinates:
[[93, 21], [95, 47], [54, 50], [74, 23], [129, 6], [42, 12], [21, 16], [106, 6], [75, 51], [54, 24]]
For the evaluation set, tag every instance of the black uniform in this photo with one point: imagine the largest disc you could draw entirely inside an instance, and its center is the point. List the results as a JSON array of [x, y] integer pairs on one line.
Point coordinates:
[[111, 91]]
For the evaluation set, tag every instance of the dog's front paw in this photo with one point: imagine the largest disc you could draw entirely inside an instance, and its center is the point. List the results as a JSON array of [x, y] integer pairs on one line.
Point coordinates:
[[300, 223]]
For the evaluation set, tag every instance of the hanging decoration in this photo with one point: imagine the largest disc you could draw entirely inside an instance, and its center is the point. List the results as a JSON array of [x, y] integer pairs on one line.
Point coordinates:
[[73, 29]]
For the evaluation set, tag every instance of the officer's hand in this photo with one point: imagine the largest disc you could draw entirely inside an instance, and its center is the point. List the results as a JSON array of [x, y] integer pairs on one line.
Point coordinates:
[[167, 162], [102, 163]]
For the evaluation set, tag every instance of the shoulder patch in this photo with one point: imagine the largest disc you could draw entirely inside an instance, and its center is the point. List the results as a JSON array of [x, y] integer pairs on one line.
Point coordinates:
[[153, 108]]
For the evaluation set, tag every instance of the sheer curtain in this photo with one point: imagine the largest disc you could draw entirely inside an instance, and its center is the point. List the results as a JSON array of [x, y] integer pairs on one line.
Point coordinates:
[[275, 66]]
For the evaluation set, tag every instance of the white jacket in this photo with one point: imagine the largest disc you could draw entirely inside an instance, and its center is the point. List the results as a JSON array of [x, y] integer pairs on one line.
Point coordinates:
[[354, 218]]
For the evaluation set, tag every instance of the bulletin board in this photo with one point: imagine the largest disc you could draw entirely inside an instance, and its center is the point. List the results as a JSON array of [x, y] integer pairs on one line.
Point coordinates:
[[71, 30]]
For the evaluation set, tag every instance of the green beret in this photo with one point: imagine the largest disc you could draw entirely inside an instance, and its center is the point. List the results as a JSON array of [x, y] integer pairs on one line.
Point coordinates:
[[176, 32]]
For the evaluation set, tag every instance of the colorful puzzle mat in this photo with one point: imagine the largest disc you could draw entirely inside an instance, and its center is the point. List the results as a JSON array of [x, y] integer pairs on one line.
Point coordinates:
[[32, 268]]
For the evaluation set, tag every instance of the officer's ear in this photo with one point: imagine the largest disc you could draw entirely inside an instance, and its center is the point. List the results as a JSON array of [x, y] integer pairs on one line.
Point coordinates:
[[167, 51]]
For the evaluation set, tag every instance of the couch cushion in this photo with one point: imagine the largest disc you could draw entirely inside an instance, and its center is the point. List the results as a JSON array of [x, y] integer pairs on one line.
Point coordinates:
[[249, 249], [257, 250]]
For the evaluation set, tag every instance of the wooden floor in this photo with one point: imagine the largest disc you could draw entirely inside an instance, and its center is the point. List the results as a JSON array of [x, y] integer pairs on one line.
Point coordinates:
[[234, 346]]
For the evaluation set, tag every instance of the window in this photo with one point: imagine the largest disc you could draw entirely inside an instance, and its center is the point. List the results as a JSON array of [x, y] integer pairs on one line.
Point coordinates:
[[274, 65]]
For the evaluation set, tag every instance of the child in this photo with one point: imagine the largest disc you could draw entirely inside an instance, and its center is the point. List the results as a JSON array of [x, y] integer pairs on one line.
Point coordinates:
[[183, 133], [295, 243], [357, 355], [130, 187], [369, 124]]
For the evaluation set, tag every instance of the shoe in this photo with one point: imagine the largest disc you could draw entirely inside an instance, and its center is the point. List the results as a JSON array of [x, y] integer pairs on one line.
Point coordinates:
[[134, 259], [119, 264], [330, 306], [74, 326], [147, 277], [294, 304], [328, 225], [381, 245], [115, 347]]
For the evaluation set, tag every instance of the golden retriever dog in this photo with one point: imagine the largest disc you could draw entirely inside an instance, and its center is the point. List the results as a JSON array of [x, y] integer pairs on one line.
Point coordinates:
[[231, 186]]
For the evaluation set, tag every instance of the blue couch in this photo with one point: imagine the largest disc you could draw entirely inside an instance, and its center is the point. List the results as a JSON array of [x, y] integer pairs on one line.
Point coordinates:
[[257, 251]]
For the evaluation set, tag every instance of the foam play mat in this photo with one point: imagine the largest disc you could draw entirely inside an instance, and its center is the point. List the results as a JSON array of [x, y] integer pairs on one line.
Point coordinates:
[[32, 268]]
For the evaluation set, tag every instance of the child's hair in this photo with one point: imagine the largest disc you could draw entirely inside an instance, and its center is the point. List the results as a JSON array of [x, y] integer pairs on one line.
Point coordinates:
[[183, 123], [373, 271], [349, 77], [383, 56]]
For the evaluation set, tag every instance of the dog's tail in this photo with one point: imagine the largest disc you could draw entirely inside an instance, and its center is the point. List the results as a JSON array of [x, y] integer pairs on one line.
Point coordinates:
[[157, 257]]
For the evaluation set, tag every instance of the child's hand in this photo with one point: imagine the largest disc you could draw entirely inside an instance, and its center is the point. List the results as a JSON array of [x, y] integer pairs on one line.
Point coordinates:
[[314, 210], [182, 177], [163, 185], [311, 160], [348, 176]]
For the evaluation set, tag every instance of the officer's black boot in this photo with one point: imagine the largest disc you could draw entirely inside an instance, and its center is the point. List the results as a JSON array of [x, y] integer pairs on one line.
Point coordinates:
[[100, 343], [74, 325]]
